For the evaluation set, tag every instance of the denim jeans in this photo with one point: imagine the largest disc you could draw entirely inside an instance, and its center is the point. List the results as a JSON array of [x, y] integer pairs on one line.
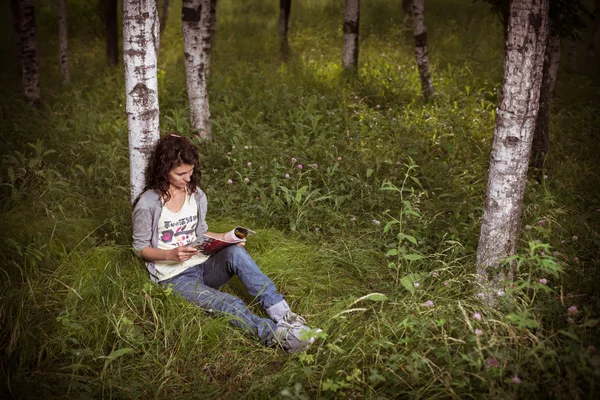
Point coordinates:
[[199, 285]]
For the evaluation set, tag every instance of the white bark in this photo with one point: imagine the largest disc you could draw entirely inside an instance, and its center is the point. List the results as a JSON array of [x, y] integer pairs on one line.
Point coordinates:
[[24, 14], [513, 134], [421, 52], [63, 40], [140, 51], [198, 19], [351, 23]]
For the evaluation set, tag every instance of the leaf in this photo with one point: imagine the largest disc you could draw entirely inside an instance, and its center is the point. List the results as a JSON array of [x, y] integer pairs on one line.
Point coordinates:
[[369, 172], [410, 238], [118, 353], [391, 252], [407, 281], [413, 257]]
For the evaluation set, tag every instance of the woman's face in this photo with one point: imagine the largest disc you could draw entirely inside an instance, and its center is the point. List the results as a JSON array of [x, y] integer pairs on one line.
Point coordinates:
[[180, 176]]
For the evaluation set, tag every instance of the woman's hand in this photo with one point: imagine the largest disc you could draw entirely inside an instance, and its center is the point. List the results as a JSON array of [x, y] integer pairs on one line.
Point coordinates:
[[181, 253]]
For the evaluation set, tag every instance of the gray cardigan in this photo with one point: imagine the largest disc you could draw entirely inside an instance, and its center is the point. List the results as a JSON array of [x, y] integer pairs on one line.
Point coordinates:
[[146, 214]]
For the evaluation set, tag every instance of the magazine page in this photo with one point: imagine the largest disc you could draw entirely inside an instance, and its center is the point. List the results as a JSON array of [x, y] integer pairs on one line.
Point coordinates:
[[209, 245]]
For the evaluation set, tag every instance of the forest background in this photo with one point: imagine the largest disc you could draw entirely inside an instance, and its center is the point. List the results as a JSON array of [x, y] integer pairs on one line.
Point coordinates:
[[373, 239]]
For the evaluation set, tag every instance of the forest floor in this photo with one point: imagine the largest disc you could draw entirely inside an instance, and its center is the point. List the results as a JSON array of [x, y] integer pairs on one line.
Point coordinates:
[[373, 239]]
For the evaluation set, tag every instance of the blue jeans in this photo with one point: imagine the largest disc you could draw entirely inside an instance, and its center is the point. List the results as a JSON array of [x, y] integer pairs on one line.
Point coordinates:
[[199, 285]]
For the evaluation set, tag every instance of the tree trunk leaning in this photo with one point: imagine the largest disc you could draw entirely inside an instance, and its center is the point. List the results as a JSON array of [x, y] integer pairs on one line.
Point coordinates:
[[541, 136], [351, 23], [513, 134], [198, 30], [112, 41], [24, 14], [164, 15], [421, 51], [63, 40], [140, 48]]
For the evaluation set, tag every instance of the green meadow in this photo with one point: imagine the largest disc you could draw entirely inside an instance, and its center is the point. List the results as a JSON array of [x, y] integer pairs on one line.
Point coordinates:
[[373, 240]]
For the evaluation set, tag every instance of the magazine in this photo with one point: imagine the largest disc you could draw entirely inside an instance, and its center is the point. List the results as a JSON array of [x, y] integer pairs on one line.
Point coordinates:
[[209, 245]]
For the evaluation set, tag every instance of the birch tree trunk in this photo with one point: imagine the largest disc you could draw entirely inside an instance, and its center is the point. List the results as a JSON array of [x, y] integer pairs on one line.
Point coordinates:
[[513, 134], [541, 136], [24, 14], [63, 40], [110, 24], [140, 51], [593, 46], [421, 48], [351, 23], [198, 25], [164, 15]]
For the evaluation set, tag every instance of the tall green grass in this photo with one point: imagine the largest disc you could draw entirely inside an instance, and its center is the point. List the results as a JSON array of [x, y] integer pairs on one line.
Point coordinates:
[[375, 244]]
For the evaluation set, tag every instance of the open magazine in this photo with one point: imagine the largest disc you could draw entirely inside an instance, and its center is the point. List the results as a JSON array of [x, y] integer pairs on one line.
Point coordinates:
[[210, 245]]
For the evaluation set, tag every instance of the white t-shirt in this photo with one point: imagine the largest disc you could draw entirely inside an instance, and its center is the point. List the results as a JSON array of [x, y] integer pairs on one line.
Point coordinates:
[[177, 229]]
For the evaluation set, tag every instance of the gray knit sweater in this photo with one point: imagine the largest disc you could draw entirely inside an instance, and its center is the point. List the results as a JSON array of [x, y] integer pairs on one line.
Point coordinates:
[[146, 214]]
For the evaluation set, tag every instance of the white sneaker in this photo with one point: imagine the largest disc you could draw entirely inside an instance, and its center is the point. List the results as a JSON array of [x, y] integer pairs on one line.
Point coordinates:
[[292, 336]]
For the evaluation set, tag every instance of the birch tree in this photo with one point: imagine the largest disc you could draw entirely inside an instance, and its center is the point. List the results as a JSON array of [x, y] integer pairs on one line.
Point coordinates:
[[140, 51], [110, 25], [24, 14], [198, 26], [351, 22], [63, 40], [513, 134], [421, 51]]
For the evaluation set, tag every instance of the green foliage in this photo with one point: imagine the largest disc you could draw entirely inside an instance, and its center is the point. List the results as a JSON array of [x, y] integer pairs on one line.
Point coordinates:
[[373, 240]]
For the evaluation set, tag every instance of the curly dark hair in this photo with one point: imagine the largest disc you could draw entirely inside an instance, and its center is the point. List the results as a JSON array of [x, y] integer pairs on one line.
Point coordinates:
[[171, 152]]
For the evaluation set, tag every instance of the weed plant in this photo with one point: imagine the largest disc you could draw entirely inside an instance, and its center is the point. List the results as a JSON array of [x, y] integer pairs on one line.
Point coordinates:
[[366, 200]]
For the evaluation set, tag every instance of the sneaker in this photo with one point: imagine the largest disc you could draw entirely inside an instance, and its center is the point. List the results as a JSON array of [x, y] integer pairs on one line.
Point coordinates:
[[291, 336]]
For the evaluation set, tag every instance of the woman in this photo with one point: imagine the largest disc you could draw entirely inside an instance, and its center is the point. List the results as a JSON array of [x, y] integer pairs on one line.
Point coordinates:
[[170, 215]]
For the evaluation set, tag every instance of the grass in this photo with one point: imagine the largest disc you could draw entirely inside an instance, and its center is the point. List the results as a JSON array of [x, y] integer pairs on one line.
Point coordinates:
[[375, 244]]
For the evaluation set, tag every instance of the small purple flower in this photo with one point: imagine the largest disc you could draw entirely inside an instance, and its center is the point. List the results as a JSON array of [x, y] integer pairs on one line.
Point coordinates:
[[376, 221], [446, 283], [315, 166], [233, 147], [575, 237], [545, 176], [575, 260], [353, 219], [573, 310], [339, 158], [294, 160], [516, 380], [542, 223], [428, 303], [287, 176], [228, 153], [246, 147], [435, 274], [544, 281], [246, 180], [378, 106], [492, 363], [249, 164], [477, 316], [570, 320], [591, 348], [416, 284], [481, 295], [478, 332], [299, 166], [229, 181], [500, 293]]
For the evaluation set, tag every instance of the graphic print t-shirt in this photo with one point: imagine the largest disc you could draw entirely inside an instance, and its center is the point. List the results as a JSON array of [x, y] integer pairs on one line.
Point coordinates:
[[177, 229]]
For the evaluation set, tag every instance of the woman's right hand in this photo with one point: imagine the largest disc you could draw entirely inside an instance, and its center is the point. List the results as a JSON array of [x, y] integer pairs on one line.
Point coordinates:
[[182, 253]]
